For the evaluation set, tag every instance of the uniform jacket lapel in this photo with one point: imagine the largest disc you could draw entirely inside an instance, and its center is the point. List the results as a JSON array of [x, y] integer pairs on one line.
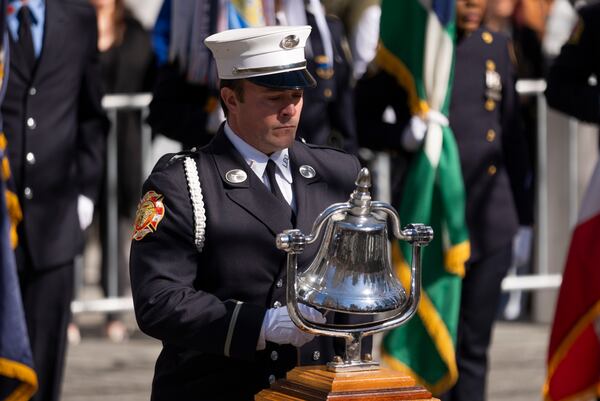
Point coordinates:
[[251, 194], [55, 30], [307, 190], [17, 61]]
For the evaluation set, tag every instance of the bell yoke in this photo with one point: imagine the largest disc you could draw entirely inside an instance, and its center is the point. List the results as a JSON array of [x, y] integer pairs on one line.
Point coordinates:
[[351, 272]]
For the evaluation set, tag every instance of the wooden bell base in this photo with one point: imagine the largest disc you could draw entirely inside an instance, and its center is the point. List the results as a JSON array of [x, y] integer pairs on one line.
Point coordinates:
[[316, 383]]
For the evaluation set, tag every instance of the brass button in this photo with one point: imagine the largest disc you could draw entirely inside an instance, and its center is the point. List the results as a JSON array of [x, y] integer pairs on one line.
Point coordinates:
[[279, 283], [327, 92], [274, 355], [276, 304], [490, 105], [490, 65], [491, 135], [316, 355], [487, 37], [492, 170]]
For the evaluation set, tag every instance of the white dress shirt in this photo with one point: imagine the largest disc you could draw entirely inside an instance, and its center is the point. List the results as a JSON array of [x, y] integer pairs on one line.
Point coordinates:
[[258, 163]]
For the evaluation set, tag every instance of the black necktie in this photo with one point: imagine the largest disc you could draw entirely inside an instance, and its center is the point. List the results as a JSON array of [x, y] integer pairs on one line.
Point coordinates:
[[271, 169], [276, 191], [25, 41]]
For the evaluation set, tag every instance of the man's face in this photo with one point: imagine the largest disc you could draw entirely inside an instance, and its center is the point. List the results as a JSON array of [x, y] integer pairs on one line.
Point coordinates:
[[469, 14], [267, 118]]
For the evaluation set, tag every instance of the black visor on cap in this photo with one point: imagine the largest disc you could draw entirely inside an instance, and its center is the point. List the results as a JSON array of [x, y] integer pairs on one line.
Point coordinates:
[[297, 79]]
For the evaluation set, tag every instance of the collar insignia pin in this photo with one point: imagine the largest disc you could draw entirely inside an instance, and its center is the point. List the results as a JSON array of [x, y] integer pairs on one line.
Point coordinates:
[[307, 171], [236, 176]]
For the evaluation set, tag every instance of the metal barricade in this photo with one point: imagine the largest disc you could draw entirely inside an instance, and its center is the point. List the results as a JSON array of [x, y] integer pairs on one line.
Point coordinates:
[[533, 282], [112, 104]]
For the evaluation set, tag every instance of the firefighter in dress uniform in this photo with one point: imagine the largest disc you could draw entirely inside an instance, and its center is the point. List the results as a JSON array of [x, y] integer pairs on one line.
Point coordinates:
[[206, 276]]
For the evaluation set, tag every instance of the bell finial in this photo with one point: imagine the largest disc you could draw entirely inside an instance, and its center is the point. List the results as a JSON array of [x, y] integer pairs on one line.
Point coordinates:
[[363, 180], [360, 199]]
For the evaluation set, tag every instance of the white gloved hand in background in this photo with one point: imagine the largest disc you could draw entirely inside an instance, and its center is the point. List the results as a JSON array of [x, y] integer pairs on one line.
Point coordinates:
[[414, 133], [85, 211], [416, 129], [522, 246], [278, 327]]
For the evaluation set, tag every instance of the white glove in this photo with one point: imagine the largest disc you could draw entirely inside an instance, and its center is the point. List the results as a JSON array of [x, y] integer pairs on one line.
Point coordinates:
[[278, 328], [414, 133], [85, 211], [522, 246]]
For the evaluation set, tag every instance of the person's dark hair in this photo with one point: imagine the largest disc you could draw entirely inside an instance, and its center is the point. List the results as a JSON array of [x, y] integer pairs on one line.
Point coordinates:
[[237, 86]]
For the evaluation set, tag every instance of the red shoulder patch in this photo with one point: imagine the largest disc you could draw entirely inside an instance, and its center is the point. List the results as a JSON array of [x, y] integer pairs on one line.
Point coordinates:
[[149, 213]]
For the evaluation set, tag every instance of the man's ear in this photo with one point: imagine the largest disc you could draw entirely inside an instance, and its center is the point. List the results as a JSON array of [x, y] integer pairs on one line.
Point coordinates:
[[229, 98]]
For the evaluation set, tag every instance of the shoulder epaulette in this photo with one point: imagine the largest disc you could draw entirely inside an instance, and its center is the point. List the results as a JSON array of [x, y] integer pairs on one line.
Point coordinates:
[[171, 158], [315, 146]]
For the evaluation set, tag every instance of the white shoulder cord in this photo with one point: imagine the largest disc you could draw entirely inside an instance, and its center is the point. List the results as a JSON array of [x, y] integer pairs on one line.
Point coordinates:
[[193, 180]]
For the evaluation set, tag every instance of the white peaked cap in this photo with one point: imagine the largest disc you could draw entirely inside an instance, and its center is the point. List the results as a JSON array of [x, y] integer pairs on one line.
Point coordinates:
[[269, 56]]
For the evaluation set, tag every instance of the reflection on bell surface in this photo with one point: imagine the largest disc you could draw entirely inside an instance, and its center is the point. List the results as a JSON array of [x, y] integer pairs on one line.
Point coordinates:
[[352, 272]]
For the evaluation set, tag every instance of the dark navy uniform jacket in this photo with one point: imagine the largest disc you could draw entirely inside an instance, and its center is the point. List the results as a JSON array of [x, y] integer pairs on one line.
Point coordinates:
[[492, 145], [568, 81], [484, 119], [207, 308], [328, 113]]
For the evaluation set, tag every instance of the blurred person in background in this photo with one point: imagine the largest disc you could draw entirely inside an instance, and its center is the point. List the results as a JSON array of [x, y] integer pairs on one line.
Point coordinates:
[[559, 25], [327, 117], [572, 79], [186, 85], [484, 116], [128, 66], [574, 345], [523, 21], [361, 22], [56, 132], [493, 150]]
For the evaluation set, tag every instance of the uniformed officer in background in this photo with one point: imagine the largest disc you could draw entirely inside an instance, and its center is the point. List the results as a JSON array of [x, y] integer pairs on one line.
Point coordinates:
[[569, 88], [206, 276], [484, 117], [495, 165]]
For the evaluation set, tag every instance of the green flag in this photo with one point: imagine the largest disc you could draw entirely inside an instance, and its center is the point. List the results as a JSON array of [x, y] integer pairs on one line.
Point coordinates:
[[417, 47]]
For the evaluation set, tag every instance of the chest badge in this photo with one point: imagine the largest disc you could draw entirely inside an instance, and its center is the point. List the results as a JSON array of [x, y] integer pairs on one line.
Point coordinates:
[[307, 171], [493, 85], [150, 212], [236, 176]]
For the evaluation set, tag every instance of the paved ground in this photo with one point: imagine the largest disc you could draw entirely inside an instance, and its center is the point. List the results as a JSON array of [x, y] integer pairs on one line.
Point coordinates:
[[100, 370]]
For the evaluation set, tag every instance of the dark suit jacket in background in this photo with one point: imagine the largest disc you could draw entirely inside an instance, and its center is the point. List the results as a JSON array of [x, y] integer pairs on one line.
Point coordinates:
[[328, 113], [187, 299], [568, 81], [54, 114]]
